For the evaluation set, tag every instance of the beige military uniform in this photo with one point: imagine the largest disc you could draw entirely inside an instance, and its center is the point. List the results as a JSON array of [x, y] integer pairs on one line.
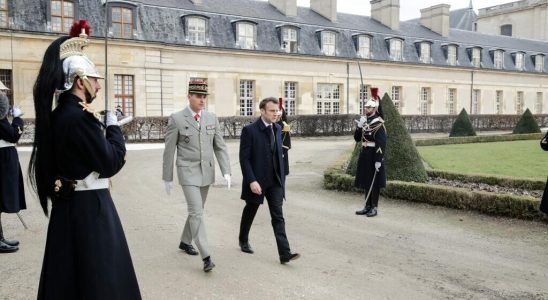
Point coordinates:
[[196, 144]]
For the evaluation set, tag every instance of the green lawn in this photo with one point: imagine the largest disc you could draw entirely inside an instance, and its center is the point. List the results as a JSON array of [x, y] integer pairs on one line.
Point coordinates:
[[523, 159]]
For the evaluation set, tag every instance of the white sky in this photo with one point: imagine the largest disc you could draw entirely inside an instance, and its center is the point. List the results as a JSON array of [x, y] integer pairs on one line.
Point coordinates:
[[409, 9]]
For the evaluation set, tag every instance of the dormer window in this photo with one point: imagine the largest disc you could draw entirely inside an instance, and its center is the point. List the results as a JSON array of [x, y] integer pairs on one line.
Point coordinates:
[[396, 49], [451, 54], [122, 20], [62, 15], [518, 60], [539, 62], [498, 59], [246, 35], [476, 57], [424, 52], [196, 30], [363, 46], [289, 39], [329, 39], [3, 13]]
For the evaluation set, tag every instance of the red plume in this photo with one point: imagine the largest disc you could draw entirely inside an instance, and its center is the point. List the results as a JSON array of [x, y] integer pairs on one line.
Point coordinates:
[[375, 93], [77, 27], [280, 103]]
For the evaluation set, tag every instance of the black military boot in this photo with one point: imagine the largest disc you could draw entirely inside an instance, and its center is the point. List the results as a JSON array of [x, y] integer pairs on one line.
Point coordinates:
[[12, 243], [364, 211], [5, 248], [208, 264], [372, 212]]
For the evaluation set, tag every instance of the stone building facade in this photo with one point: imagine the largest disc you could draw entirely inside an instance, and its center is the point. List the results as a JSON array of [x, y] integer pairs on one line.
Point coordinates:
[[249, 50]]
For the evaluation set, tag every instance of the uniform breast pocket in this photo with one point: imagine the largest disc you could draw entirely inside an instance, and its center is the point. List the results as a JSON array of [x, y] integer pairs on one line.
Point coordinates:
[[185, 136]]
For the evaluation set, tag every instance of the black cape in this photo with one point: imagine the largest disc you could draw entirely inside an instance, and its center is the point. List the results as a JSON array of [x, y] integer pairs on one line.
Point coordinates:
[[12, 192], [87, 256]]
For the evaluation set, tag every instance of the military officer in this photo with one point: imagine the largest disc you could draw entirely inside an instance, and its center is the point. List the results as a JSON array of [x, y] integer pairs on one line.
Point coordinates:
[[197, 136], [370, 173]]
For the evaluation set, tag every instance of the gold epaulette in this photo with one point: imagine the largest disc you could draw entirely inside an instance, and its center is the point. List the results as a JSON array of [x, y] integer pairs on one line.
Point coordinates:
[[286, 127]]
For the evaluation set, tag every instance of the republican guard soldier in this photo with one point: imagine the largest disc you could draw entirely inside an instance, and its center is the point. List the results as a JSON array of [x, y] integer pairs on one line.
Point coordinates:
[[370, 173], [12, 192]]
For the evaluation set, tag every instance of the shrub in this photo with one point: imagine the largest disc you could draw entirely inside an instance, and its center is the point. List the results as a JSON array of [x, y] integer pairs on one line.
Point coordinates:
[[478, 139], [510, 182], [487, 203], [353, 162], [462, 126], [402, 158], [526, 124]]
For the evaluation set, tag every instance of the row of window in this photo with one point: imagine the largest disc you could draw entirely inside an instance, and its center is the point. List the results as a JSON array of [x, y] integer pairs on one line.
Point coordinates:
[[62, 15]]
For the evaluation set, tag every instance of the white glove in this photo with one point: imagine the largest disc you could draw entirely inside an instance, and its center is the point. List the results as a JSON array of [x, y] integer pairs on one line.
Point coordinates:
[[361, 122], [377, 166], [227, 180], [16, 112], [111, 119], [167, 186]]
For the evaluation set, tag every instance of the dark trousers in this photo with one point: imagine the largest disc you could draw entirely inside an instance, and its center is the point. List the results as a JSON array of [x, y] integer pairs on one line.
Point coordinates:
[[373, 200], [274, 197]]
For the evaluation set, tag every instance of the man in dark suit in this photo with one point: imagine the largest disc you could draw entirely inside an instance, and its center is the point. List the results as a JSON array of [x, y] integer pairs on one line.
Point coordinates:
[[264, 176]]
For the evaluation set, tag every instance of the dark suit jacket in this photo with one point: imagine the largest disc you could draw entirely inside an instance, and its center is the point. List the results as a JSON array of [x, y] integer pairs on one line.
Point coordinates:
[[255, 155]]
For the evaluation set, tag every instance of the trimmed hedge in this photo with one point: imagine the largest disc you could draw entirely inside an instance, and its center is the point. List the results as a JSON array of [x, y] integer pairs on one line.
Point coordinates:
[[526, 124], [487, 203], [510, 182], [403, 161], [462, 126], [478, 139]]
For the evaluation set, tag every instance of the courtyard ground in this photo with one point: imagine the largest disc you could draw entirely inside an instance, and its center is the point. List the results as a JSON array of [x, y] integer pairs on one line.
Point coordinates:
[[410, 251]]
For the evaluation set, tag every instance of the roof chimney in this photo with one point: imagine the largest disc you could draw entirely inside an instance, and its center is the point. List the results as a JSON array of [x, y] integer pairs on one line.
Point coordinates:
[[286, 7], [436, 18], [387, 12], [197, 2], [326, 8]]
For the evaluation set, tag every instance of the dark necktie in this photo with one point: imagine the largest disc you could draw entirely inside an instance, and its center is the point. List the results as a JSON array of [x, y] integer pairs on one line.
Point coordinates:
[[272, 138]]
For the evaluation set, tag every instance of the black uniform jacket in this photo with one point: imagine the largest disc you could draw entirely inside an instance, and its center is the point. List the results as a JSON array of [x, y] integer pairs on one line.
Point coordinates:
[[12, 192], [255, 157]]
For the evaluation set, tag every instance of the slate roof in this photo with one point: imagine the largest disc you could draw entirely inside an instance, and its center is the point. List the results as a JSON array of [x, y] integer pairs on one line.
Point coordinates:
[[160, 21]]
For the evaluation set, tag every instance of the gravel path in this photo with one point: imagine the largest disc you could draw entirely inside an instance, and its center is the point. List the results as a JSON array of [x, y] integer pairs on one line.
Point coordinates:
[[410, 251]]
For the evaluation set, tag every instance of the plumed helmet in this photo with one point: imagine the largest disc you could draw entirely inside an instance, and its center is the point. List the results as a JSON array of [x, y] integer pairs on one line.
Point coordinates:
[[375, 93], [4, 105], [3, 87], [371, 103], [78, 66], [75, 61]]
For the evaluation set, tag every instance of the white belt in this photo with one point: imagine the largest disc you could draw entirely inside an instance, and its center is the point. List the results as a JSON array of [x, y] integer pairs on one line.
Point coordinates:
[[4, 144], [92, 182], [368, 144]]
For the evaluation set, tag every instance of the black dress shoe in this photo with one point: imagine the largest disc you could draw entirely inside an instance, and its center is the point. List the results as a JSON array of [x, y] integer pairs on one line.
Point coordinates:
[[290, 257], [372, 212], [5, 248], [246, 247], [208, 264], [364, 211], [10, 242], [188, 249]]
